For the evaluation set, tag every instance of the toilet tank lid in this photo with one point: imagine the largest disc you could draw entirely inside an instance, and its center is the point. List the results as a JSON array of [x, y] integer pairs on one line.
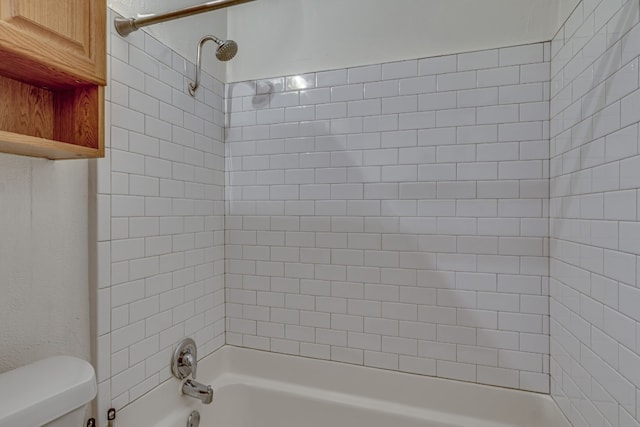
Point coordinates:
[[42, 391]]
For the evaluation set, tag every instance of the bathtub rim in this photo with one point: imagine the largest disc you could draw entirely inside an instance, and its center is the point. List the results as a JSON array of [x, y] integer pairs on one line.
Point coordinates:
[[471, 398]]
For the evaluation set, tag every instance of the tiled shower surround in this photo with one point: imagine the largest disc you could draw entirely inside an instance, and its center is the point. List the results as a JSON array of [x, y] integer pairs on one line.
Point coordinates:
[[395, 216], [595, 233], [412, 216], [160, 216]]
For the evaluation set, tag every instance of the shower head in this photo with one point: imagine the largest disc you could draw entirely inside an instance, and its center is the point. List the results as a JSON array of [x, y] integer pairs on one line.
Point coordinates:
[[226, 50]]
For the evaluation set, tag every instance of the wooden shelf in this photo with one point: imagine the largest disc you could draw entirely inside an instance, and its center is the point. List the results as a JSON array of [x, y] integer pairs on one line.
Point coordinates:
[[62, 123], [52, 73], [15, 143]]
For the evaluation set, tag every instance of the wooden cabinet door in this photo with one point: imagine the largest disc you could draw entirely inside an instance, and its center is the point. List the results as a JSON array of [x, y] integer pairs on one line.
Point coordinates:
[[40, 36]]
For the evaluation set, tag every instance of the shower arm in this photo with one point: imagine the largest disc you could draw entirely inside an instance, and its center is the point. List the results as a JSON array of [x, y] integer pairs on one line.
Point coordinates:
[[193, 87], [126, 26]]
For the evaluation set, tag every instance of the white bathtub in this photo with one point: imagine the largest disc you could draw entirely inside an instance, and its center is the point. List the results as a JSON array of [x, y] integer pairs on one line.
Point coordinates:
[[260, 389]]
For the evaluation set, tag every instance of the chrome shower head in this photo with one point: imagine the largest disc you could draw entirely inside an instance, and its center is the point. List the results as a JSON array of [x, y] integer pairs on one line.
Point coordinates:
[[226, 50]]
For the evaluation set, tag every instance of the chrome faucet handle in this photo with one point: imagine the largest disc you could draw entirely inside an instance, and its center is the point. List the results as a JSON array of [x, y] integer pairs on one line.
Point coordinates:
[[185, 359], [188, 360]]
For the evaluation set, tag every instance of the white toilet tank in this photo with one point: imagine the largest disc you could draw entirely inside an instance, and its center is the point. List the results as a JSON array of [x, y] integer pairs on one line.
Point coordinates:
[[52, 392]]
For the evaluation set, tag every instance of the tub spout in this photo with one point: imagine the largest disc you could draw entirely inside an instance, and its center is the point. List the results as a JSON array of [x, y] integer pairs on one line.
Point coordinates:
[[199, 391]]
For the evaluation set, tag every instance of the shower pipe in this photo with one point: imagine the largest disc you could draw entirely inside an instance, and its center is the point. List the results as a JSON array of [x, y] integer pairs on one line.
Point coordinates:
[[126, 26]]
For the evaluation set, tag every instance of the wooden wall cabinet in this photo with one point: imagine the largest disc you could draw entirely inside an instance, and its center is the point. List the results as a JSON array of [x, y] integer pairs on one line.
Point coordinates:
[[52, 77]]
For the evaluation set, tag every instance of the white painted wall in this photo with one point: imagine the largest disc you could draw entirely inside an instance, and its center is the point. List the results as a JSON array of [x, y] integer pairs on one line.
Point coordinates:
[[44, 307], [284, 37], [565, 8]]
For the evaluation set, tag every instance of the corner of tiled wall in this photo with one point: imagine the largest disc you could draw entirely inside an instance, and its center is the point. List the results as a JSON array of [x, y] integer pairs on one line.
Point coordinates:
[[159, 273]]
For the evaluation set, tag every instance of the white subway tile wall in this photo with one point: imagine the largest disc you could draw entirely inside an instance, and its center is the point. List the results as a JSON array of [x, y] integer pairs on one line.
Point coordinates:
[[160, 208], [595, 300], [412, 216], [395, 216]]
